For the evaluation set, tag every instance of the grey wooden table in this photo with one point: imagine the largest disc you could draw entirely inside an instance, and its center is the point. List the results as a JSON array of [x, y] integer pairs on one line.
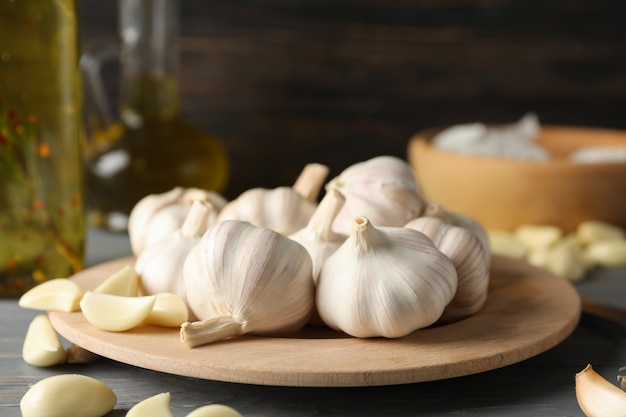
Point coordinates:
[[539, 386]]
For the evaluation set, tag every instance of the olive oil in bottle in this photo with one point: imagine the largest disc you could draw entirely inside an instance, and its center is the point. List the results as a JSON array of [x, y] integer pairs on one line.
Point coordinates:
[[151, 149]]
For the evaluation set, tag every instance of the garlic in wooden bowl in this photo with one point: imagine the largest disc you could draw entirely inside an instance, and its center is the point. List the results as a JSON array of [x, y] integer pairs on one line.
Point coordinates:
[[502, 193]]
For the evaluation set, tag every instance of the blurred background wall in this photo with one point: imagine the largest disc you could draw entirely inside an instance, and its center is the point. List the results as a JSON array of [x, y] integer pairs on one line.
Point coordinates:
[[287, 82]]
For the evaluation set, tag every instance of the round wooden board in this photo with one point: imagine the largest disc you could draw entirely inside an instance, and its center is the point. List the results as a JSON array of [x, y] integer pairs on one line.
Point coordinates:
[[528, 311]]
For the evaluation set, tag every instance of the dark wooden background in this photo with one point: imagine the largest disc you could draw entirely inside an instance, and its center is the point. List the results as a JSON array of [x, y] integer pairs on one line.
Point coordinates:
[[286, 82]]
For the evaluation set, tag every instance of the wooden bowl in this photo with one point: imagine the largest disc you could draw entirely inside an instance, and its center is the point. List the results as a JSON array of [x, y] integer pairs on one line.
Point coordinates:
[[503, 193]]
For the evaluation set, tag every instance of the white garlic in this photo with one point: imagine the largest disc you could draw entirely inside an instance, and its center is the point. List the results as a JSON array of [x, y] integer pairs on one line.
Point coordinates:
[[384, 281], [156, 406], [115, 313], [123, 282], [460, 220], [160, 266], [383, 189], [283, 209], [246, 279], [597, 397], [470, 259], [42, 346], [169, 310], [318, 236], [68, 395], [59, 294], [158, 215], [214, 410]]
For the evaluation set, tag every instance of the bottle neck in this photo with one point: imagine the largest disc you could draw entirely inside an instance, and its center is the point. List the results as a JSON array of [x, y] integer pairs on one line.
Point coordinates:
[[149, 60]]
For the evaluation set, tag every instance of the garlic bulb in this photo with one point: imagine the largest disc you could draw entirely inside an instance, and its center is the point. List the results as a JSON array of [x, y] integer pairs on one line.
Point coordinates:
[[384, 281], [383, 189], [317, 236], [157, 215], [160, 265], [283, 209], [246, 279], [457, 219], [470, 260]]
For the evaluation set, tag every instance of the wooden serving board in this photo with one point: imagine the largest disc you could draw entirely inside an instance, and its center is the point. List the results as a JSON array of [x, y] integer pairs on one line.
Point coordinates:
[[527, 312]]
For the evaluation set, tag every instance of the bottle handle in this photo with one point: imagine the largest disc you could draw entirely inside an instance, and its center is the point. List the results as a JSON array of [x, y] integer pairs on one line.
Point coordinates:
[[98, 110]]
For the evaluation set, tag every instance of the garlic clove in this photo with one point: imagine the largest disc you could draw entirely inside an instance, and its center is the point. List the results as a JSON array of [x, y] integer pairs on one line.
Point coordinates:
[[124, 282], [68, 395], [60, 294], [114, 312], [214, 410], [538, 237], [42, 346], [609, 253], [597, 397], [594, 231], [155, 406], [506, 244], [169, 310], [383, 189]]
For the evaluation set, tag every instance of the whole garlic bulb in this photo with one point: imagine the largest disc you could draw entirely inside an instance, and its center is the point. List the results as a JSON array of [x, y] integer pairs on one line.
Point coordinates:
[[470, 259], [460, 220], [160, 265], [157, 215], [384, 281], [317, 236], [383, 189], [246, 279], [283, 209]]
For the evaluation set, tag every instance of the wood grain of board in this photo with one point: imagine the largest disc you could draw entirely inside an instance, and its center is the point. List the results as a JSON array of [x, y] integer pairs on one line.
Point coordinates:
[[528, 311]]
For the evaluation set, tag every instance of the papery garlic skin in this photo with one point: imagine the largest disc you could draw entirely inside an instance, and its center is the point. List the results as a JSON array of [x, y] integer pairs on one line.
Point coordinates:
[[160, 266], [254, 277], [383, 189], [158, 215], [597, 397], [318, 236], [470, 259], [283, 209], [384, 281]]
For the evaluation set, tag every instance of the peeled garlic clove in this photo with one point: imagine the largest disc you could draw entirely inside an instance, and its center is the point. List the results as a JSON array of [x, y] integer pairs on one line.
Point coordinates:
[[169, 310], [597, 397], [155, 406], [214, 410], [538, 237], [283, 209], [506, 244], [124, 282], [256, 279], [60, 294], [594, 231], [609, 253], [384, 281], [68, 395], [116, 313], [42, 346], [383, 189], [470, 260]]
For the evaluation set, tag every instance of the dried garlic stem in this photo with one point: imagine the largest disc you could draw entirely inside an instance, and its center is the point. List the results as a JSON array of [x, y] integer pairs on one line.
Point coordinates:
[[310, 181], [202, 332]]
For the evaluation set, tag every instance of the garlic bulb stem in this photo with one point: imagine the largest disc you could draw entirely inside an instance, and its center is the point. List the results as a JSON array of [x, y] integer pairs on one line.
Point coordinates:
[[366, 237], [310, 181], [196, 222], [321, 222], [597, 397], [202, 332]]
